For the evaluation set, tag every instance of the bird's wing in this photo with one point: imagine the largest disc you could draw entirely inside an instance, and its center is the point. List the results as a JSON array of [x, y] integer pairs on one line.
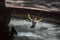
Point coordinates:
[[41, 19], [29, 16]]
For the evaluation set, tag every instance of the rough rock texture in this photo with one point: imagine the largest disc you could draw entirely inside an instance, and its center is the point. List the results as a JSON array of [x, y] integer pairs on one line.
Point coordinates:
[[4, 21]]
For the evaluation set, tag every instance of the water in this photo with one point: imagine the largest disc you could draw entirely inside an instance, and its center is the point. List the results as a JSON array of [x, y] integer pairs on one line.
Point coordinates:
[[42, 30]]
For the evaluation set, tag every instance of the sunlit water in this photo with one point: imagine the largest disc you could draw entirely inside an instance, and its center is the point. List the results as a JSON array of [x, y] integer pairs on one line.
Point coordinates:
[[42, 30]]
